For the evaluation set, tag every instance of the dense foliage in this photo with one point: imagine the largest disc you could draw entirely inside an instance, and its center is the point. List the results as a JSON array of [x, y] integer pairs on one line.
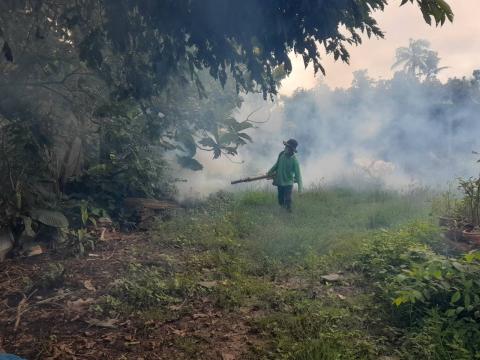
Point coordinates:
[[433, 296], [95, 95], [151, 40]]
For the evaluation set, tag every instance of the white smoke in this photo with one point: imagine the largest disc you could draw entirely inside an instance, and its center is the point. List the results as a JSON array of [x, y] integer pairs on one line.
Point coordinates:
[[351, 136]]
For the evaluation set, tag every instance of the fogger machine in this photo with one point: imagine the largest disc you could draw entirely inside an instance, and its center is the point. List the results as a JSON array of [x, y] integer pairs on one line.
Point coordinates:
[[249, 179]]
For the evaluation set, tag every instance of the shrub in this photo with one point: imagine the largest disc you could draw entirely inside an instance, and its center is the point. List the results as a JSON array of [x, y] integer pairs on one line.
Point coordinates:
[[435, 297]]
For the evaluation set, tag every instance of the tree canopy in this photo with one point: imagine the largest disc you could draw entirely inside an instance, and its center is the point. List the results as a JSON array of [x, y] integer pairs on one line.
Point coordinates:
[[137, 44], [95, 93]]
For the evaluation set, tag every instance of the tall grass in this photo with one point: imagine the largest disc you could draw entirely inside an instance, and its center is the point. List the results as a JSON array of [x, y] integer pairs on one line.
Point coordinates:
[[323, 220]]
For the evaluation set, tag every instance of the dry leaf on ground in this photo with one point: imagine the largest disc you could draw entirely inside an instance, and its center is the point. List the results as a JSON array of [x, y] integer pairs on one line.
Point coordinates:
[[88, 285], [208, 284], [73, 309], [228, 356]]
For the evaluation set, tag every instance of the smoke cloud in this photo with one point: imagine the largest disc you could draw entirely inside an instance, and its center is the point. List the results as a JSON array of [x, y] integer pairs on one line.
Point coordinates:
[[394, 133]]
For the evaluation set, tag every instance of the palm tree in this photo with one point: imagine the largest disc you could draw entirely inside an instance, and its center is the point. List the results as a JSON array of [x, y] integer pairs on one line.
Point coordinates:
[[431, 68], [418, 59]]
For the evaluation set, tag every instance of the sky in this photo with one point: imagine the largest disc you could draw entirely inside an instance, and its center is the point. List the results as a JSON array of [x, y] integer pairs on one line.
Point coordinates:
[[457, 43]]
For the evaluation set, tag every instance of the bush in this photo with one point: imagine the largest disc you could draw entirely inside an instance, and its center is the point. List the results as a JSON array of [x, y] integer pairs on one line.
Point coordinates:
[[436, 298], [389, 252]]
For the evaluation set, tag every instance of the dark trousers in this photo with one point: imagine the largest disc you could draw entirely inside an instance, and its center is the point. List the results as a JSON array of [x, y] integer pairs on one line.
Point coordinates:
[[285, 196]]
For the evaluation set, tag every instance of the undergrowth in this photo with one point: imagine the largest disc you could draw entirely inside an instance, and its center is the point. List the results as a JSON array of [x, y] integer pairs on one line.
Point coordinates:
[[399, 293]]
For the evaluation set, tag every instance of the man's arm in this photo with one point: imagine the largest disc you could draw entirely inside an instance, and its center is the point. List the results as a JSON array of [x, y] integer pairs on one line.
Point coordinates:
[[298, 176], [274, 168]]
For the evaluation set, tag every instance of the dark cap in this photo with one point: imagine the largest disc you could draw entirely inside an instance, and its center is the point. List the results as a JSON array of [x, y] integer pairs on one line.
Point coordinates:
[[292, 144]]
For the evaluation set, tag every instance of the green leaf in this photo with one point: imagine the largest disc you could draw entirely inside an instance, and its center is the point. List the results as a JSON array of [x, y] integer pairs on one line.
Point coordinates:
[[217, 152], [458, 266], [471, 256], [50, 218], [450, 313], [84, 213], [189, 163], [208, 142], [455, 297], [243, 126], [437, 274], [226, 139], [400, 300], [245, 136], [93, 221]]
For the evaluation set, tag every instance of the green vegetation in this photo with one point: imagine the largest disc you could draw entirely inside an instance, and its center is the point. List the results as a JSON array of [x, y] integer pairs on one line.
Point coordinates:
[[96, 95], [396, 294]]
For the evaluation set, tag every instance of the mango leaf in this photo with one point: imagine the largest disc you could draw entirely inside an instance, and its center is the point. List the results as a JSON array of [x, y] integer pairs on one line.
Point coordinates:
[[189, 163]]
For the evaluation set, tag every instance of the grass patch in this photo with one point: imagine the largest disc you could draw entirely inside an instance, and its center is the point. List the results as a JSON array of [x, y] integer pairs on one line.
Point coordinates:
[[323, 221], [271, 261], [147, 291]]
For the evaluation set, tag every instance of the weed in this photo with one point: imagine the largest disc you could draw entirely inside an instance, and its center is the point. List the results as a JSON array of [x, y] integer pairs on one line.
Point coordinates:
[[189, 345], [252, 249], [109, 306], [52, 277], [247, 292], [314, 330], [145, 287]]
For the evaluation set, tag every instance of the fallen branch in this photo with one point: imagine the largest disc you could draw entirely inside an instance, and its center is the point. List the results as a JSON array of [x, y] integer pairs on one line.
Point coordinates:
[[21, 308], [53, 298]]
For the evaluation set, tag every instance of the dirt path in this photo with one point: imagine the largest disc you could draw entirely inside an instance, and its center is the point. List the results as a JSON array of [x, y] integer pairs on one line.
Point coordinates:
[[42, 317]]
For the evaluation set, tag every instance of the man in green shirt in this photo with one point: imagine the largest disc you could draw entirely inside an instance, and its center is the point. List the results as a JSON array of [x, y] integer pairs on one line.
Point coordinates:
[[285, 173]]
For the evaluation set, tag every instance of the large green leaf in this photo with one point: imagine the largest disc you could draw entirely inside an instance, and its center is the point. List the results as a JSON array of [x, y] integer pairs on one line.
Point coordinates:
[[50, 218], [189, 163]]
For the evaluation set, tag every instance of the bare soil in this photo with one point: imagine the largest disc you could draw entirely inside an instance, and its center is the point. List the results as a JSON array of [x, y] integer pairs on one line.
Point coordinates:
[[59, 322]]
